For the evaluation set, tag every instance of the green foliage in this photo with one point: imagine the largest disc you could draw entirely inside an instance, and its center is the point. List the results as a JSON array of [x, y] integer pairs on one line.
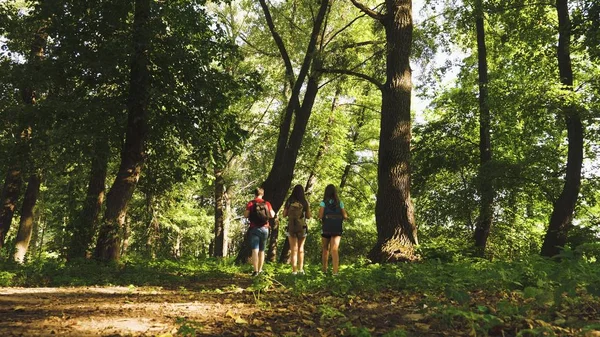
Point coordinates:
[[475, 323], [473, 296], [188, 328]]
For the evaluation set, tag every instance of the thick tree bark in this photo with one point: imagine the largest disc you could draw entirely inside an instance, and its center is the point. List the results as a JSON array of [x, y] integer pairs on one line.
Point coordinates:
[[485, 185], [10, 195], [133, 152], [84, 228], [564, 207], [220, 244], [26, 223], [280, 177], [394, 213]]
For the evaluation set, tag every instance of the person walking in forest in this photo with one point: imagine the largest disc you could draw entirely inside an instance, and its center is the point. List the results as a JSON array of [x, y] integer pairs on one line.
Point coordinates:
[[258, 212], [297, 210], [331, 213]]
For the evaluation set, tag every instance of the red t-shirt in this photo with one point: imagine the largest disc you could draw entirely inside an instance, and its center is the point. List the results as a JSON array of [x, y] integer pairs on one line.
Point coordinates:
[[249, 209]]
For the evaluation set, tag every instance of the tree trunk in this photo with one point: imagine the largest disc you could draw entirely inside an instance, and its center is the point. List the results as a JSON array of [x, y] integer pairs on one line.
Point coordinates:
[[26, 223], [84, 228], [284, 172], [13, 181], [273, 236], [396, 229], [564, 207], [133, 152], [10, 196], [280, 177], [245, 251], [486, 189], [220, 246], [227, 225]]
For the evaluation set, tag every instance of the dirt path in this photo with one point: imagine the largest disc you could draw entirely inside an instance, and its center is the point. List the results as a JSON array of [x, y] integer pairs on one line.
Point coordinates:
[[118, 311], [132, 311]]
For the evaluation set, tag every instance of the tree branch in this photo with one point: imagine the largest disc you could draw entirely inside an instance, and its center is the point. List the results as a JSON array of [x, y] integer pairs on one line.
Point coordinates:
[[355, 74], [289, 70], [368, 11]]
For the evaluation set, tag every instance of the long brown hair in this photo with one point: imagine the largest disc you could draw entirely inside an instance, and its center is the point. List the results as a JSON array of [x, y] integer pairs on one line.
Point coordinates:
[[298, 194], [331, 194]]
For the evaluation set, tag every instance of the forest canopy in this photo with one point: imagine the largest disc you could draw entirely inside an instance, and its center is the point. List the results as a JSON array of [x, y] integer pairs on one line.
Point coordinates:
[[139, 129]]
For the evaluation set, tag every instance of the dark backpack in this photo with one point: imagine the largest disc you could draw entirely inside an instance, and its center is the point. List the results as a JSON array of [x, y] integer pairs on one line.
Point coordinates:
[[259, 214], [332, 219]]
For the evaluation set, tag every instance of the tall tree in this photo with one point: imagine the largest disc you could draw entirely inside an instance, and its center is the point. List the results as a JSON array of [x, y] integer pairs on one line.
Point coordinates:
[[485, 186], [26, 223], [220, 240], [84, 228], [23, 158], [564, 206], [10, 195], [296, 113], [133, 152], [394, 212]]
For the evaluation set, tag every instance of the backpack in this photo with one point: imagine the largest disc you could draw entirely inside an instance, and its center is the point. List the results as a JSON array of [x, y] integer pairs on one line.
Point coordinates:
[[295, 215], [259, 214], [332, 219]]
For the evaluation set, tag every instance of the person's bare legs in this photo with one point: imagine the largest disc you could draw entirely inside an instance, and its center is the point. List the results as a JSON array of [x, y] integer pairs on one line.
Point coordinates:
[[325, 253], [335, 257], [261, 260], [293, 252], [301, 254], [255, 260]]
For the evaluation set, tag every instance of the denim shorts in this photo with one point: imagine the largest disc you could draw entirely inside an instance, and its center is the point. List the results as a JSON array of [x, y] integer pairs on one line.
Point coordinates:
[[258, 238]]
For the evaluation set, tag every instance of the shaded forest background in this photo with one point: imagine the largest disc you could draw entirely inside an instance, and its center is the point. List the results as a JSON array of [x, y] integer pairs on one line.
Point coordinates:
[[138, 129]]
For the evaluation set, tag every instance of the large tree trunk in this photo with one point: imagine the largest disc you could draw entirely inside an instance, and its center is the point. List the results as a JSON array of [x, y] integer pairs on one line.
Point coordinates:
[[564, 207], [485, 186], [84, 228], [26, 223], [10, 195], [13, 181], [220, 244], [280, 177], [133, 152], [394, 213]]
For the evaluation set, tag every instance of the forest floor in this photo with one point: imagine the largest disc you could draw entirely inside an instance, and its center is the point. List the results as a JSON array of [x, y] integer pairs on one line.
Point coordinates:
[[203, 309]]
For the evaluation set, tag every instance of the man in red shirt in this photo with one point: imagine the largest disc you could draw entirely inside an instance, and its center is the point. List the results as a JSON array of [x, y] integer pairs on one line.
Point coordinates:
[[258, 211]]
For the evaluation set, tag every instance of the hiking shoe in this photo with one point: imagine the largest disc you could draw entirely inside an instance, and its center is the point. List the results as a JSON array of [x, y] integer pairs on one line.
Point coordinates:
[[255, 273], [294, 273], [301, 272]]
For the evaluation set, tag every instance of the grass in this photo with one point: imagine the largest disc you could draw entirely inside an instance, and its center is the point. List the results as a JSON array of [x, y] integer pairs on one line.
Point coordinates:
[[530, 297]]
